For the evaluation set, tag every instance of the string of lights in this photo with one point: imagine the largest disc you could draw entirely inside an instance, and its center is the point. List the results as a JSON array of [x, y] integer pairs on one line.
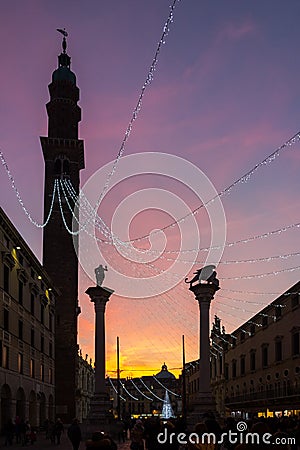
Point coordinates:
[[259, 293], [102, 227], [240, 301], [261, 275], [127, 392], [216, 349], [86, 208], [243, 179], [239, 241], [243, 310], [140, 392], [171, 392], [196, 250], [152, 393], [62, 212], [25, 210], [112, 385], [239, 261], [148, 81]]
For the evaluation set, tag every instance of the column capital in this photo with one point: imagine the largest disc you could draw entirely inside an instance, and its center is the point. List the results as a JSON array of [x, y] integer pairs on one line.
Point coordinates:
[[204, 292], [99, 296]]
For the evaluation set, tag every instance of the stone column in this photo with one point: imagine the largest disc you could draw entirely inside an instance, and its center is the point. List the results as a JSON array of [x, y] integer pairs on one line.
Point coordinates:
[[203, 401], [100, 403]]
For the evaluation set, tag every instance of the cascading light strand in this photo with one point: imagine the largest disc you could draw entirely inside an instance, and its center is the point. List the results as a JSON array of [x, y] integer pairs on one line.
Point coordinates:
[[18, 195]]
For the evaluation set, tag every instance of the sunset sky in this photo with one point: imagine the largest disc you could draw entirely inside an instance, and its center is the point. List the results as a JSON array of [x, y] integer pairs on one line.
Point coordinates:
[[224, 96]]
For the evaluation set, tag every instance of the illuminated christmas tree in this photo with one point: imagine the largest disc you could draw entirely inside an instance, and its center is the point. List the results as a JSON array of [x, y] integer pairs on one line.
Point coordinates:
[[167, 411]]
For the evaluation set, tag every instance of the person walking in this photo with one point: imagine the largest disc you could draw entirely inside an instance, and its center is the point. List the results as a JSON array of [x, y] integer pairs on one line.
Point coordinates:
[[137, 436], [58, 429], [74, 434]]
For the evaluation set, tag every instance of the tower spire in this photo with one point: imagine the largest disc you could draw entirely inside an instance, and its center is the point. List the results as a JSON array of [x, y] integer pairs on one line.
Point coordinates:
[[64, 59]]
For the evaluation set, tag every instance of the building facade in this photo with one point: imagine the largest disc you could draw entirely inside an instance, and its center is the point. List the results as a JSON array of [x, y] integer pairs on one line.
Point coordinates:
[[85, 386], [255, 370], [261, 365], [144, 396], [64, 158], [27, 338]]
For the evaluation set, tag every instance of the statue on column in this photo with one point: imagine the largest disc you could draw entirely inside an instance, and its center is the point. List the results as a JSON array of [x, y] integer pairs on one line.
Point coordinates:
[[206, 274], [100, 275]]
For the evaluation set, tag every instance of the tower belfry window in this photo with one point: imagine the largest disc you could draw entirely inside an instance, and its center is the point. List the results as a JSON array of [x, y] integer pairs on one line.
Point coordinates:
[[62, 167], [57, 167], [66, 167]]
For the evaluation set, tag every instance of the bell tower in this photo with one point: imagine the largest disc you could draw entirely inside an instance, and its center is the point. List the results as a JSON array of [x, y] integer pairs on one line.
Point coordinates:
[[64, 158]]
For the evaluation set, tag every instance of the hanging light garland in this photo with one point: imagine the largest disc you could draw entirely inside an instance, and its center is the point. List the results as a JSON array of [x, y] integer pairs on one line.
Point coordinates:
[[152, 393], [243, 179], [127, 392], [261, 275], [240, 301], [138, 106], [112, 385], [238, 261], [140, 392], [171, 392], [14, 187]]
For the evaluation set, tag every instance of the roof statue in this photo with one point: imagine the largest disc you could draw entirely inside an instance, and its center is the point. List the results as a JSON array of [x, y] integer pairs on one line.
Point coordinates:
[[65, 34], [205, 275], [100, 275]]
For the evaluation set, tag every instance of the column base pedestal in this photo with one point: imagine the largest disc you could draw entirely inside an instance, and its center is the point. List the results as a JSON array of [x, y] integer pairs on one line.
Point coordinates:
[[100, 408], [204, 404], [100, 416]]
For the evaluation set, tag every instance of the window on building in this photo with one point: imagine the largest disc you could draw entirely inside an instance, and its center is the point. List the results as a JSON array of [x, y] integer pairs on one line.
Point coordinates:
[[32, 303], [42, 372], [50, 350], [66, 167], [32, 368], [278, 350], [295, 300], [265, 356], [220, 364], [252, 330], [226, 372], [42, 314], [264, 321], [5, 357], [214, 363], [20, 363], [234, 368], [32, 337], [21, 259], [20, 329], [243, 364], [42, 344], [50, 322], [6, 319], [6, 272], [295, 343], [50, 376], [252, 360], [242, 336], [277, 312], [6, 241], [20, 297]]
